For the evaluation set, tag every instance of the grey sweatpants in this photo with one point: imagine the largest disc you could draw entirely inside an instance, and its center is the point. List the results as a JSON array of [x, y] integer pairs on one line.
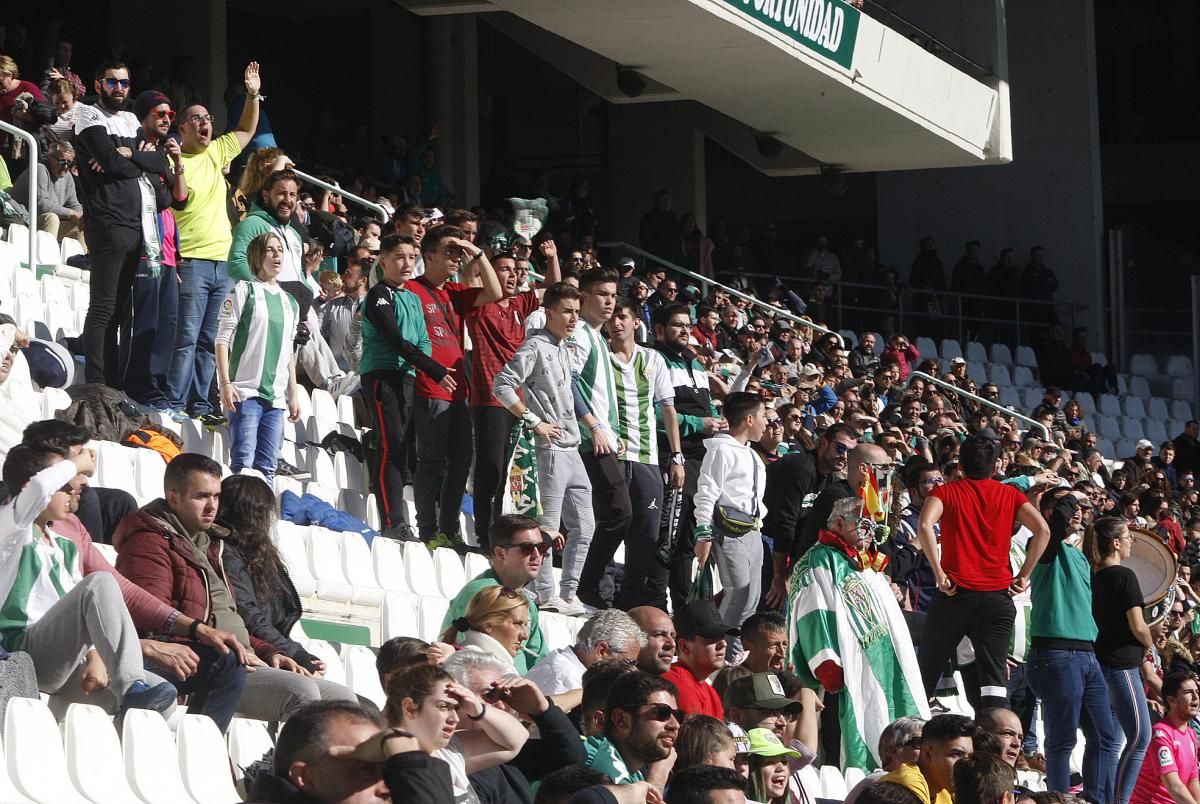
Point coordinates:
[[739, 564], [93, 614], [273, 695], [566, 494]]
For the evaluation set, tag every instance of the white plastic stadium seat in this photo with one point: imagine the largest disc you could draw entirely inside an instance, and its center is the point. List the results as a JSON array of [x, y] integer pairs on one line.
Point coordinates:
[[249, 740], [977, 372], [1026, 357], [114, 465], [999, 376], [361, 675], [151, 759], [950, 349], [1139, 387], [1031, 397], [48, 250], [399, 616], [1022, 376], [325, 561], [1157, 409], [853, 777], [8, 791], [419, 569], [474, 564], [387, 560], [321, 491], [1132, 428], [1010, 396], [349, 472], [833, 785], [1126, 448], [204, 761], [976, 353], [1086, 402], [926, 347], [359, 571], [1001, 354], [1180, 409], [1156, 431], [149, 468], [37, 764], [1143, 365], [70, 247], [431, 613], [450, 574], [1181, 388], [1110, 405], [1132, 405], [293, 548], [334, 671], [1179, 366]]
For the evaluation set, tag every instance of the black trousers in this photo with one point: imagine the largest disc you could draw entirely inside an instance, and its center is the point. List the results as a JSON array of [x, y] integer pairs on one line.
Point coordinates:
[[613, 511], [683, 550], [114, 253], [987, 618], [493, 426], [101, 510], [389, 397]]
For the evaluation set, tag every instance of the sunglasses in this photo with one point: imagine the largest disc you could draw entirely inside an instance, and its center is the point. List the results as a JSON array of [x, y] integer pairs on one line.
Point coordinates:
[[66, 164], [529, 548], [113, 83], [169, 114], [774, 423], [660, 712], [842, 449]]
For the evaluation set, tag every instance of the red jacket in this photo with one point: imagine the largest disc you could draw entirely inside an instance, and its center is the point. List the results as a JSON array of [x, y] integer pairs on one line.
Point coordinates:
[[160, 560]]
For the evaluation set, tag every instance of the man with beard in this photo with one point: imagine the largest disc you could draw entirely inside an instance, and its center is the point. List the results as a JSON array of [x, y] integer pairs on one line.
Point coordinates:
[[641, 722], [793, 484], [205, 239], [147, 341], [497, 330], [119, 214]]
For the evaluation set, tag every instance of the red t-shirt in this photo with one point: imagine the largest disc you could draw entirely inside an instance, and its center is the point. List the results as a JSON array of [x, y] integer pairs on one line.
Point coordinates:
[[496, 334], [445, 311], [977, 526], [7, 99], [695, 697]]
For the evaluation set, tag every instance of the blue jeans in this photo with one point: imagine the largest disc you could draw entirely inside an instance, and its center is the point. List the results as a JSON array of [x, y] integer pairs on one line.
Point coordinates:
[[214, 689], [255, 436], [204, 285], [1074, 695], [1131, 716], [148, 338]]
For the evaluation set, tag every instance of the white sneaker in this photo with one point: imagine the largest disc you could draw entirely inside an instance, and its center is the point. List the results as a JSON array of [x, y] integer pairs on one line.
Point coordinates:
[[572, 608], [553, 603], [343, 384]]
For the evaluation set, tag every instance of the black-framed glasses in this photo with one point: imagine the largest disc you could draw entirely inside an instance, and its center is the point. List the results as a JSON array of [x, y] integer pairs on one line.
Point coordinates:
[[774, 423], [842, 449], [200, 118], [660, 712], [66, 164], [529, 548], [113, 83]]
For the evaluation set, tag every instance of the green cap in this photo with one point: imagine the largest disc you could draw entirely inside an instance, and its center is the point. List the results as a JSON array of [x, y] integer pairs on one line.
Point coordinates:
[[765, 743]]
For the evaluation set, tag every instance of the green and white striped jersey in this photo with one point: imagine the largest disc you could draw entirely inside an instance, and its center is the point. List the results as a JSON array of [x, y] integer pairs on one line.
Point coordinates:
[[643, 385], [34, 574], [258, 323], [589, 359]]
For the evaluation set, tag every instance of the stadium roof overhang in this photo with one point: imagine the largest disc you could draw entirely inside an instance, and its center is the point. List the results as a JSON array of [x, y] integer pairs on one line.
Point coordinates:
[[838, 87]]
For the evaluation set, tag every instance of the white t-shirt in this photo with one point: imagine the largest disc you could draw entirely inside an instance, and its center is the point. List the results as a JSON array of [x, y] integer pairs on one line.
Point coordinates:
[[454, 756], [560, 671]]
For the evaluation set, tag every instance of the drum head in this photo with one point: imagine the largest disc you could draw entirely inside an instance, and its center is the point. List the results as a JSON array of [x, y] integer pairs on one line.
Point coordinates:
[[1153, 563]]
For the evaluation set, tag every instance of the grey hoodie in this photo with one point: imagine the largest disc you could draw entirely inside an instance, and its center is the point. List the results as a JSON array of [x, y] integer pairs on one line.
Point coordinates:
[[541, 367]]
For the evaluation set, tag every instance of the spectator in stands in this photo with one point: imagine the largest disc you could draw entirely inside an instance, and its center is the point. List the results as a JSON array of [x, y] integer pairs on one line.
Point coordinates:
[[259, 165], [541, 367], [658, 231], [1006, 726], [256, 365], [864, 462], [497, 330], [641, 722], [77, 630], [863, 360], [705, 784], [610, 633], [518, 549], [395, 345], [496, 622], [1039, 283], [901, 353], [899, 743], [769, 767], [272, 209], [1164, 463], [757, 701], [973, 575], [657, 655], [822, 264], [266, 599], [1172, 773], [701, 643], [341, 323], [172, 548], [969, 276], [429, 704], [764, 635], [929, 274], [58, 210], [205, 240], [945, 740], [983, 779], [1187, 448], [19, 104], [64, 97], [907, 566], [706, 331], [441, 420], [118, 206], [704, 740], [332, 752]]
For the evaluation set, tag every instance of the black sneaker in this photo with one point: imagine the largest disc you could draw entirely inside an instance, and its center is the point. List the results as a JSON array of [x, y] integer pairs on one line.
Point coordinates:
[[400, 533], [287, 470], [211, 420]]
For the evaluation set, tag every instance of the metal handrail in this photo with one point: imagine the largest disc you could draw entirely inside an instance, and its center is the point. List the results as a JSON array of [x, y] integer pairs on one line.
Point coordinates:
[[985, 402], [706, 283], [381, 211], [914, 28], [32, 206]]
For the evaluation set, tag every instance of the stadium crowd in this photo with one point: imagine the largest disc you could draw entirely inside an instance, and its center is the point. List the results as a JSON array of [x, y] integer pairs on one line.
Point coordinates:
[[873, 536]]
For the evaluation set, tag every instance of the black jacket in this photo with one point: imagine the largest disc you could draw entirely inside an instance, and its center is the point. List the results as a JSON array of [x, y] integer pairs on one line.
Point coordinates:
[[818, 516], [558, 746], [413, 778], [270, 619], [792, 486]]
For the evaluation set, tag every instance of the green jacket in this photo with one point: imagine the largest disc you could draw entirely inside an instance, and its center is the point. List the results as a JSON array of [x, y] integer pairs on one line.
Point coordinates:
[[458, 608], [394, 335], [257, 221]]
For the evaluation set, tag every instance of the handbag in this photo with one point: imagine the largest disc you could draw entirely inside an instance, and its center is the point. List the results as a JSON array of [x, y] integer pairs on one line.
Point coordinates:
[[731, 521]]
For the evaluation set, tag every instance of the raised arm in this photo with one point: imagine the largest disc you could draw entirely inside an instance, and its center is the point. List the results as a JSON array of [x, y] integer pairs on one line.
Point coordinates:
[[248, 122]]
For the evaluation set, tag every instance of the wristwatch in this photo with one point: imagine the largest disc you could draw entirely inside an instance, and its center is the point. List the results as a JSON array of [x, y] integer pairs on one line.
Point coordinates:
[[677, 459]]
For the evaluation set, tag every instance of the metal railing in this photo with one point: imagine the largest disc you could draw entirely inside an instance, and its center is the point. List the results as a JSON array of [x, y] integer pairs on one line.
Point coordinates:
[[381, 211], [943, 50], [985, 402], [31, 205], [706, 283]]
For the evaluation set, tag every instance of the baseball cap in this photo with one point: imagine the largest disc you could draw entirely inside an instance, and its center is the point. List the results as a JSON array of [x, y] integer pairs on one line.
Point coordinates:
[[1145, 444], [810, 376], [958, 361], [765, 743], [699, 618], [626, 262], [741, 740], [50, 364], [760, 691]]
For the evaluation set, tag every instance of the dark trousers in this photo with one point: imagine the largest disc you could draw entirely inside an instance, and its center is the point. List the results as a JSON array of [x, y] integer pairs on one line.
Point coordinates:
[[444, 452], [987, 618], [214, 689], [613, 511], [683, 549], [148, 335], [100, 511], [114, 253], [389, 396], [493, 426], [640, 586]]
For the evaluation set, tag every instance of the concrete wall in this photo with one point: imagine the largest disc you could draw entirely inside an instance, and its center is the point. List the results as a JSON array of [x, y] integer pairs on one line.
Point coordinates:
[[1050, 194]]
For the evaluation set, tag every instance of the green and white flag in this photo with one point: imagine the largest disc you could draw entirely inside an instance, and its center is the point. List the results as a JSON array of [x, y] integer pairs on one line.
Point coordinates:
[[522, 497], [841, 614]]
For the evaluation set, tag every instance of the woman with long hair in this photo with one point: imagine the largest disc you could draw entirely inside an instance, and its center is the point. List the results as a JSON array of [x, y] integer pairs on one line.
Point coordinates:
[[769, 772], [263, 592], [260, 164], [496, 622], [1123, 639], [429, 704]]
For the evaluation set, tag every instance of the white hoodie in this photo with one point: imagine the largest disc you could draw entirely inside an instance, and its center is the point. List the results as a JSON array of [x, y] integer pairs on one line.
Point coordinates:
[[728, 476]]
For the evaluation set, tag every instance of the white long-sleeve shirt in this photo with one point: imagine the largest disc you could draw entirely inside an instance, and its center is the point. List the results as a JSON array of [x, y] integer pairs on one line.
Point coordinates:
[[729, 476]]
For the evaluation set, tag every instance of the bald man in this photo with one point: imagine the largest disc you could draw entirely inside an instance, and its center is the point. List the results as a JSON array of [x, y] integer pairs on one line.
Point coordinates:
[[1005, 724], [859, 466], [658, 654]]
